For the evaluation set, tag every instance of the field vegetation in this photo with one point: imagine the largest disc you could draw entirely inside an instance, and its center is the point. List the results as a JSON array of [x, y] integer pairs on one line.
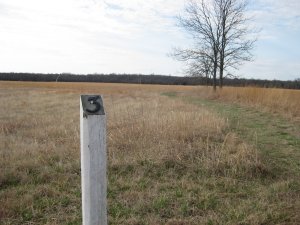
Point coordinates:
[[175, 156], [282, 101]]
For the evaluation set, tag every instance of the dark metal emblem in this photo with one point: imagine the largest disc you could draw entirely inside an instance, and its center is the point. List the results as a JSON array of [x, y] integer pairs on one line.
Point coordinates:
[[92, 104]]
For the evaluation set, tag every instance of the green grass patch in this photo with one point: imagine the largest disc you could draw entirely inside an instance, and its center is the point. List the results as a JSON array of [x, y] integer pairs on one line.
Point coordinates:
[[170, 94]]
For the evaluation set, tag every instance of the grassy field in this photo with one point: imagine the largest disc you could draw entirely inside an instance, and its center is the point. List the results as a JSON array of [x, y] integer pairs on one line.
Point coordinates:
[[177, 155]]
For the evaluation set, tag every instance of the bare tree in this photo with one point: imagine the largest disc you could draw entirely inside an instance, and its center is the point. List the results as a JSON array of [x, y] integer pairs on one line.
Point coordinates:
[[235, 42], [219, 30], [200, 20]]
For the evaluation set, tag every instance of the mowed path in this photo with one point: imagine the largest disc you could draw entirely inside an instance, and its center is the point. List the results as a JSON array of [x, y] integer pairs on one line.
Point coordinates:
[[277, 138]]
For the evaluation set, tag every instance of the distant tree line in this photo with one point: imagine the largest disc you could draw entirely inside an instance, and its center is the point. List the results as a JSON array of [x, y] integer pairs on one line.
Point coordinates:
[[147, 79], [104, 78]]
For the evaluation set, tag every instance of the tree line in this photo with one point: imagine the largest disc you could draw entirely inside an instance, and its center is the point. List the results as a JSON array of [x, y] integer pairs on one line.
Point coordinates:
[[147, 79]]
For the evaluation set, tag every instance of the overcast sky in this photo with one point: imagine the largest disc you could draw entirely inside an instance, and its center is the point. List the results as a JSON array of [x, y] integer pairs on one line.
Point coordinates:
[[131, 36]]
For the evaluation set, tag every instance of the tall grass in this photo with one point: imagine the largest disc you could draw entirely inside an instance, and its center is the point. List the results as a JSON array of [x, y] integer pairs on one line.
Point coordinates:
[[160, 129], [282, 101], [277, 100]]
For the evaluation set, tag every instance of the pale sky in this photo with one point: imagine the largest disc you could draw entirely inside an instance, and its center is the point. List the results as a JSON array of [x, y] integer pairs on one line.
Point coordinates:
[[132, 36]]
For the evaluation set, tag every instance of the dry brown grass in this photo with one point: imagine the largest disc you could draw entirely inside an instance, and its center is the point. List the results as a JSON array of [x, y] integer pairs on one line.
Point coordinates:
[[159, 129], [283, 101], [170, 162]]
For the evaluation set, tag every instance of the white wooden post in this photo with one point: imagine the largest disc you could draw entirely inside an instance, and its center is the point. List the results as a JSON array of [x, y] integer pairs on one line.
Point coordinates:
[[93, 160]]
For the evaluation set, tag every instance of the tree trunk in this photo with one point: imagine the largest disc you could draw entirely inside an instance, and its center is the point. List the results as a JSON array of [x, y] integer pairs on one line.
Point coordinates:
[[215, 76], [221, 73]]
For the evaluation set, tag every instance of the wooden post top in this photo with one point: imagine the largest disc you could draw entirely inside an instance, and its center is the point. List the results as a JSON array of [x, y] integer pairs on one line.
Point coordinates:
[[92, 105]]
